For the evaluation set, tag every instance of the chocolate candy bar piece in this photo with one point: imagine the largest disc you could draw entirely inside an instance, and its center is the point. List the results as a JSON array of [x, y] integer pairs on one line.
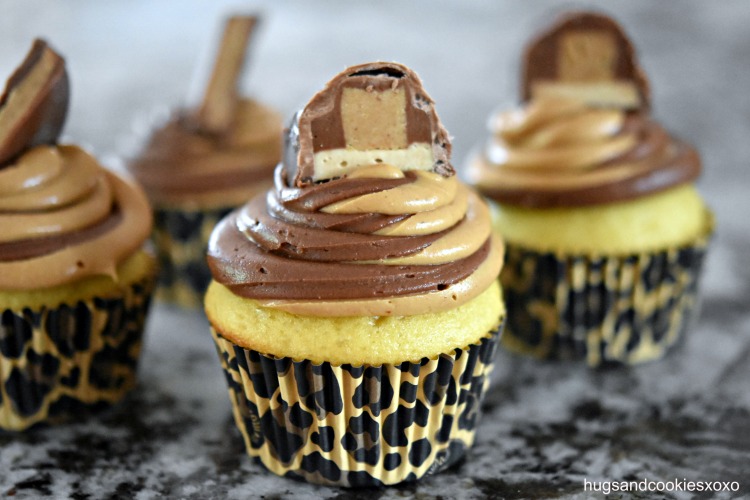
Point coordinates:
[[368, 114], [34, 103], [216, 112], [585, 56]]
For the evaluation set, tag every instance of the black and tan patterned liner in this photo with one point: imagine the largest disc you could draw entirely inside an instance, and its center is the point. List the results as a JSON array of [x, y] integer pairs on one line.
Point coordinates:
[[604, 310], [357, 425], [181, 237], [63, 363]]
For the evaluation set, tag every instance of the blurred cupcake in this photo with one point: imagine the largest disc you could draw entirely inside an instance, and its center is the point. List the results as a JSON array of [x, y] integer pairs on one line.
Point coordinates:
[[356, 306], [75, 282], [606, 232], [202, 163]]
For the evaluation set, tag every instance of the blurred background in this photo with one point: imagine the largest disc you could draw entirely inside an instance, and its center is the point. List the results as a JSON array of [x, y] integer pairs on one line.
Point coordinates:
[[129, 59]]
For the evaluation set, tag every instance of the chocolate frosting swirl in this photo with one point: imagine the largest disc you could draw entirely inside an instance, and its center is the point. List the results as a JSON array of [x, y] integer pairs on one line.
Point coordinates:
[[63, 217], [558, 152], [182, 162], [366, 216], [319, 243]]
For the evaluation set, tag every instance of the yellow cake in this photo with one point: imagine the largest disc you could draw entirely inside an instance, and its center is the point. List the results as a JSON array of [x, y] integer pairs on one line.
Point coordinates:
[[670, 218], [358, 340]]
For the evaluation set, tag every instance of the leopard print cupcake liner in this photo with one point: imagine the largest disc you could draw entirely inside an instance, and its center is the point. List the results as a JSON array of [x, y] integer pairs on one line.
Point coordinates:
[[604, 310], [357, 426], [72, 360], [181, 239]]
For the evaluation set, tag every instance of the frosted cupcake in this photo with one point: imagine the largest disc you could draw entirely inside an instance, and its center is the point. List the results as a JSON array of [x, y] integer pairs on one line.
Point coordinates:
[[355, 306], [606, 232], [202, 163], [74, 281]]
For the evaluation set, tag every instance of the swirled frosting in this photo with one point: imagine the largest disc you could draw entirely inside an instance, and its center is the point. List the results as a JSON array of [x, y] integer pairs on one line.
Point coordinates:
[[562, 152], [63, 217], [182, 163], [366, 216], [378, 241]]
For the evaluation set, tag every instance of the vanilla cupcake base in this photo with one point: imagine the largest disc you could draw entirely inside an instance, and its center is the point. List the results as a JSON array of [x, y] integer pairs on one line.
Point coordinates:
[[622, 309], [357, 425], [75, 351], [358, 340], [666, 219]]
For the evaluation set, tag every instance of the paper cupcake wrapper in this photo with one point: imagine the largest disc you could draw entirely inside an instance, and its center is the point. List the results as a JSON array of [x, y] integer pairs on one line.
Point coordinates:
[[357, 425], [72, 360], [181, 238], [604, 310]]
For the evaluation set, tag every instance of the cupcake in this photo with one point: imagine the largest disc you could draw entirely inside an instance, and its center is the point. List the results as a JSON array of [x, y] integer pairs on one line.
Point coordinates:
[[203, 162], [75, 282], [605, 231], [355, 305]]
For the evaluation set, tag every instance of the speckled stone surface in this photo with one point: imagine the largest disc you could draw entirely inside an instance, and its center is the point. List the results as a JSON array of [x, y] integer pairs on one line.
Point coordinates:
[[547, 427]]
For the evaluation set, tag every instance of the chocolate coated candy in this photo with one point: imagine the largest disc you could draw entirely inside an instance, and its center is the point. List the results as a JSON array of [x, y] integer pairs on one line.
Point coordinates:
[[35, 102], [587, 56], [220, 99], [372, 113]]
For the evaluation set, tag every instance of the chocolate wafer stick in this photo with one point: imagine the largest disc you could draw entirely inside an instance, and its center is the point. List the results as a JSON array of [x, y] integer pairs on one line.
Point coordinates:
[[34, 103], [220, 99]]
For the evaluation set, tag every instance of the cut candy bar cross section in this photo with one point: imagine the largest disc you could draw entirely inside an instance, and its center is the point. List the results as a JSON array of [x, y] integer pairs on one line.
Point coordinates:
[[587, 57], [368, 114], [35, 102]]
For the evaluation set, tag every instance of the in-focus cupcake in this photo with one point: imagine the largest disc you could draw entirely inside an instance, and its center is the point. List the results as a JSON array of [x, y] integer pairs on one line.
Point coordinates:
[[75, 282], [203, 162], [605, 231], [355, 306]]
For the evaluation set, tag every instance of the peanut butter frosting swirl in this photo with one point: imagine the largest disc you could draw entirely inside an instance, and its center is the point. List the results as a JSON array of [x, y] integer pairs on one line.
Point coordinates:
[[63, 217], [562, 152], [377, 241], [366, 216], [183, 162]]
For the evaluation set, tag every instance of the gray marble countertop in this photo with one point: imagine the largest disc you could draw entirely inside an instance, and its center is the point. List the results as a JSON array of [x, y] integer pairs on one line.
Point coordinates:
[[547, 427]]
